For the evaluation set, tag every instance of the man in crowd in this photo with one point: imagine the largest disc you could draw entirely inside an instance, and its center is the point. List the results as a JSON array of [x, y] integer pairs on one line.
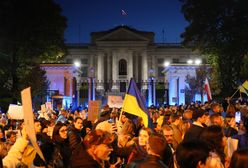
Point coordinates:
[[197, 127]]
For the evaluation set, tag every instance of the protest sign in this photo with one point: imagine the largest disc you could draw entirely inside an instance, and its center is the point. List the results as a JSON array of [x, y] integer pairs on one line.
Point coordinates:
[[15, 112], [115, 101], [29, 119], [49, 106], [94, 110]]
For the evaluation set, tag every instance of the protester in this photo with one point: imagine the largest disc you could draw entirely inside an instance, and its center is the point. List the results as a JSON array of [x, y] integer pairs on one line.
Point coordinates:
[[192, 154], [61, 154], [214, 137], [155, 148], [87, 127], [74, 133], [198, 125], [168, 158], [139, 148], [14, 156], [176, 121], [97, 151], [45, 143]]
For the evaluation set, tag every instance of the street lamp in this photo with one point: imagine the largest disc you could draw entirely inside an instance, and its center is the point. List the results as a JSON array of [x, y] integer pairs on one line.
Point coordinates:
[[198, 61], [166, 63], [151, 88], [77, 64], [190, 61]]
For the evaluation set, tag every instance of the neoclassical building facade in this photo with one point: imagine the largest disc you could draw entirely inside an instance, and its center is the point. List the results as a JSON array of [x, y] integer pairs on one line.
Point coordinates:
[[112, 58]]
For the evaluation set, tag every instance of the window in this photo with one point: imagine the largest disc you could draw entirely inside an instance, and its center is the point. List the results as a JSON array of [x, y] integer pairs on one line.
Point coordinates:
[[84, 61], [122, 86], [160, 60], [175, 60], [84, 71], [69, 61], [122, 67], [160, 71]]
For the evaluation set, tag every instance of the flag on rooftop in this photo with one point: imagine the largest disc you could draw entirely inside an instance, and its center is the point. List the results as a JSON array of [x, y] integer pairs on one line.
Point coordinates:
[[123, 12], [244, 87], [134, 104]]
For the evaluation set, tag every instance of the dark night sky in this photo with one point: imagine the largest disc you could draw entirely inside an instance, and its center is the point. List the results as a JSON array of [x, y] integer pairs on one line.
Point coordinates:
[[86, 16]]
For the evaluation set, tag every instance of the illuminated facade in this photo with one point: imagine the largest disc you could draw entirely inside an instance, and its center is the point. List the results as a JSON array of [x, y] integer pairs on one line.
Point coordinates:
[[113, 57]]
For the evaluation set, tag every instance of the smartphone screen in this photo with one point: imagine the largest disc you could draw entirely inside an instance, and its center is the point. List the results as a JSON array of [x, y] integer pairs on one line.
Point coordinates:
[[237, 117]]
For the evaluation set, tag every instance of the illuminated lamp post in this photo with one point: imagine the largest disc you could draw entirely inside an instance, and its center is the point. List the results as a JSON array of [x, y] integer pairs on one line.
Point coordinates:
[[166, 85], [151, 88], [77, 64]]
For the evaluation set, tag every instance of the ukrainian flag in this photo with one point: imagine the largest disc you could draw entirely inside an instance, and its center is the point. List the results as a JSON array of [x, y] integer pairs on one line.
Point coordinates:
[[135, 104], [244, 87]]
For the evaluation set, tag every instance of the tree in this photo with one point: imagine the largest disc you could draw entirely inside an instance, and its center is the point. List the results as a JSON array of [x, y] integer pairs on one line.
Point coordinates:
[[31, 32], [219, 28]]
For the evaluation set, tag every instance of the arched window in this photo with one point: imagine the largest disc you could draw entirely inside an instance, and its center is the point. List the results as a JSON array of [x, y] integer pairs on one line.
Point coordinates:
[[122, 67]]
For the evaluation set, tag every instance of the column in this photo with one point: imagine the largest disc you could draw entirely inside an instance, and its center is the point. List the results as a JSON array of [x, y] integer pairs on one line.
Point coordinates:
[[100, 71], [78, 81], [130, 65], [109, 67], [91, 90], [173, 90], [69, 86], [114, 72], [144, 70]]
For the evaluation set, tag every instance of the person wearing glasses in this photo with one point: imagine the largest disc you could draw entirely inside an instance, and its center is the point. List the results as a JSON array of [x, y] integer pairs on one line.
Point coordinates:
[[61, 151]]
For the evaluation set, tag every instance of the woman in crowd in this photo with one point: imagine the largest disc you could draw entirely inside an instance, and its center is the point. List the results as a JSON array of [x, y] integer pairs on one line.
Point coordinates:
[[214, 137], [61, 152], [139, 148], [192, 154]]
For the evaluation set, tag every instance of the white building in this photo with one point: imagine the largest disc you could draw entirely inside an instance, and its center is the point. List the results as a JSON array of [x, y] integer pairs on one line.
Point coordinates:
[[113, 57]]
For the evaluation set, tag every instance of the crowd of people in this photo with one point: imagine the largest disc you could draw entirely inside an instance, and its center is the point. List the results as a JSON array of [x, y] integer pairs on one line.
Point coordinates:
[[192, 136]]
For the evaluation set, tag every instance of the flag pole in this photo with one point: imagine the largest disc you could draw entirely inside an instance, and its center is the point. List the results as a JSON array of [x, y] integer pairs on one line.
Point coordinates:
[[121, 113], [234, 93], [240, 96]]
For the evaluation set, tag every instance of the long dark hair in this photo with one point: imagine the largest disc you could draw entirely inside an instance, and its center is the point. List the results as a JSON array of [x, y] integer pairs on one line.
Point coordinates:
[[56, 137], [213, 135]]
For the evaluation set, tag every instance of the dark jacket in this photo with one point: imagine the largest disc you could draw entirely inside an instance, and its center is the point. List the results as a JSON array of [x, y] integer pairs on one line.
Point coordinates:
[[193, 132], [61, 155], [243, 140], [150, 161], [81, 159], [47, 148], [74, 136], [137, 153]]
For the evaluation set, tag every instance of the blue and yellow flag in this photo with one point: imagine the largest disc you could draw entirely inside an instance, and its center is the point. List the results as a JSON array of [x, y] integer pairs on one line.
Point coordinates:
[[135, 104], [244, 87]]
